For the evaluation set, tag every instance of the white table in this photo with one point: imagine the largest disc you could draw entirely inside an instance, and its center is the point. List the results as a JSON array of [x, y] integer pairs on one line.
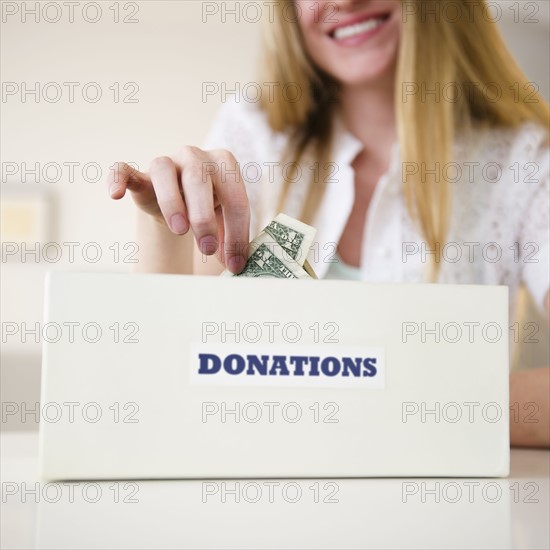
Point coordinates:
[[310, 513]]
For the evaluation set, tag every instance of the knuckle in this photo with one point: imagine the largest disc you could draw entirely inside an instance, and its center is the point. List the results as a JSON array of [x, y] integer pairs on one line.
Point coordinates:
[[201, 222], [161, 163], [190, 152], [225, 156], [195, 172], [227, 164]]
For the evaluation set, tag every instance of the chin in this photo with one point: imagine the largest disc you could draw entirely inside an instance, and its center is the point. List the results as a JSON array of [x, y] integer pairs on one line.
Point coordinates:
[[366, 72]]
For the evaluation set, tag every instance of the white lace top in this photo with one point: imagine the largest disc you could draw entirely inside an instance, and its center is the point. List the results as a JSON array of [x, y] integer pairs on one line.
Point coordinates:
[[499, 232]]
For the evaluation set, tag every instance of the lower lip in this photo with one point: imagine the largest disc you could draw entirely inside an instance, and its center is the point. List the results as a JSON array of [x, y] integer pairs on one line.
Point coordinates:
[[358, 39]]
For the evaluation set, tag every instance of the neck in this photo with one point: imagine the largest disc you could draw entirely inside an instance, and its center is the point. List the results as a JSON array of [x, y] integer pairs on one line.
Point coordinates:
[[368, 111]]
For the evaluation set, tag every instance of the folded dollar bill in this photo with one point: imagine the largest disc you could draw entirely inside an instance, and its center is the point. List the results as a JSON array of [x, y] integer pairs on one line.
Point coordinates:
[[280, 251]]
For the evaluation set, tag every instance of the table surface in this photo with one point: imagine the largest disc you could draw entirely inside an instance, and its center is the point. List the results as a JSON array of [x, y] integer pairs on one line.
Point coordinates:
[[305, 513]]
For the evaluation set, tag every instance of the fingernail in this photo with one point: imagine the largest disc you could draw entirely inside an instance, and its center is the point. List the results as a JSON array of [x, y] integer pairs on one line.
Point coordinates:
[[208, 245], [236, 264], [113, 189], [178, 224]]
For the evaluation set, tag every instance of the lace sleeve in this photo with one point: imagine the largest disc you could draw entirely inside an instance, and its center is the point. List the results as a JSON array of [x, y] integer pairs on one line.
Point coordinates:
[[533, 249]]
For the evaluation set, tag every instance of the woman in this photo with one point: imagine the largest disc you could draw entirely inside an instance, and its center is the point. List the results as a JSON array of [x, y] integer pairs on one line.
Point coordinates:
[[403, 131]]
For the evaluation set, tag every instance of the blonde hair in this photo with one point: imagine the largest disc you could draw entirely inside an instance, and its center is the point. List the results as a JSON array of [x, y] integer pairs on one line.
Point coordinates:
[[467, 52]]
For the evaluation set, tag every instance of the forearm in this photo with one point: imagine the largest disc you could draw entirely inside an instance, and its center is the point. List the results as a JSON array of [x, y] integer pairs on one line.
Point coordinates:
[[160, 250], [529, 408]]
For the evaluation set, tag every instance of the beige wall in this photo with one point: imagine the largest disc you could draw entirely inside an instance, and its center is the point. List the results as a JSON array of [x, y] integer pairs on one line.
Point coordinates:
[[169, 54]]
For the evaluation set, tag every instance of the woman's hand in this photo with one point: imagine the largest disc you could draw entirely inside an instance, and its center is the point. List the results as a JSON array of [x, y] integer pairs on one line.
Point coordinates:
[[195, 189]]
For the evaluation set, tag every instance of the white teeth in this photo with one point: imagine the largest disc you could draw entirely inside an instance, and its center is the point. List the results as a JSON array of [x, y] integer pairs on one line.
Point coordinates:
[[357, 28]]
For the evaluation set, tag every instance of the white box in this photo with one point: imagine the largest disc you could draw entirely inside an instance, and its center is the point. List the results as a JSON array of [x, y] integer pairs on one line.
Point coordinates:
[[392, 401]]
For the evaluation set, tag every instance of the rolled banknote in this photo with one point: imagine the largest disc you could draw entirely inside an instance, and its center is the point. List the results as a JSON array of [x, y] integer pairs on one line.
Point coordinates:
[[295, 237], [280, 251]]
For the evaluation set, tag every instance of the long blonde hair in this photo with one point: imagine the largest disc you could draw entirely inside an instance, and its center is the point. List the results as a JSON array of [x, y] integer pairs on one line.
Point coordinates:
[[467, 52]]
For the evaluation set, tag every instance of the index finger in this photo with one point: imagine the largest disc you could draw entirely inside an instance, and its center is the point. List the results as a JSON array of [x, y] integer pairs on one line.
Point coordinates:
[[231, 193]]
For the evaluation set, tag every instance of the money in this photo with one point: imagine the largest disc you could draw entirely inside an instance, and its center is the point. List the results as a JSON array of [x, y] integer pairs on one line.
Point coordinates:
[[280, 251], [292, 235]]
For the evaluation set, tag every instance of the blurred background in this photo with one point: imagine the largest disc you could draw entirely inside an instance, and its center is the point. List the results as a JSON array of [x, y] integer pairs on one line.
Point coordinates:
[[85, 88]]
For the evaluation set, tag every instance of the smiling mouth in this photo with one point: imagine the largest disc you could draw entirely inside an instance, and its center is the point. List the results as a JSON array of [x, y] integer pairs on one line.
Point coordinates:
[[360, 28]]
